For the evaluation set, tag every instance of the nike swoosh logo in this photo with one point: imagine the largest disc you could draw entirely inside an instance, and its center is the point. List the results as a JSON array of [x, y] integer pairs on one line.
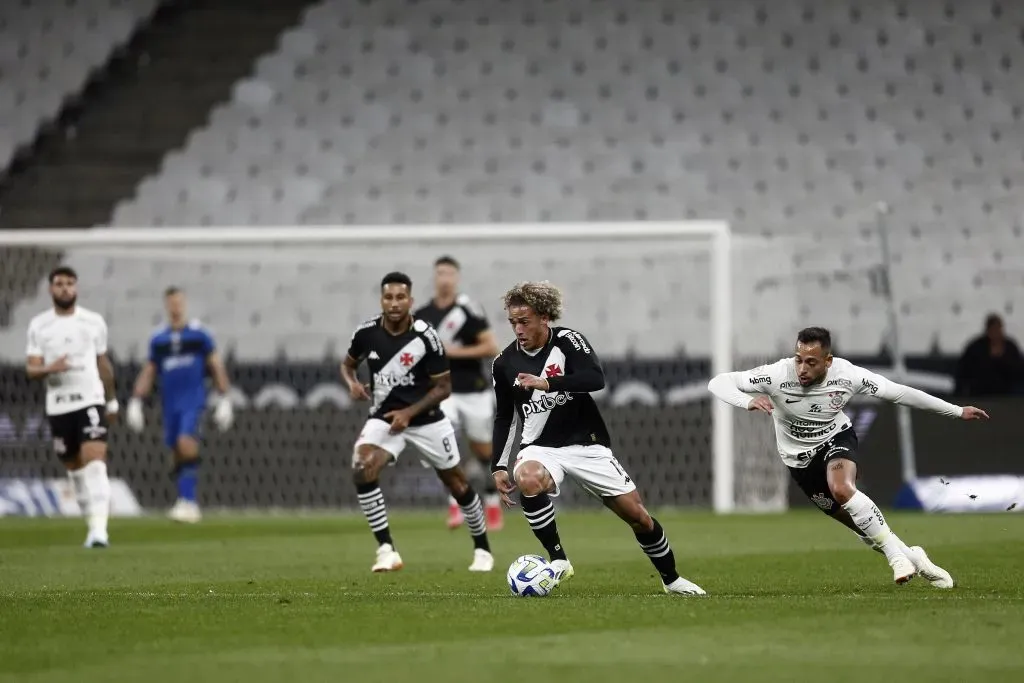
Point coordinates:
[[795, 400]]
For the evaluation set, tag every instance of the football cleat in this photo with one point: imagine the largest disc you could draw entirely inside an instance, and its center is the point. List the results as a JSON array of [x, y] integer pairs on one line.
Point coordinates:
[[95, 540], [903, 570], [483, 561], [185, 512], [682, 586], [563, 570], [933, 573], [388, 560]]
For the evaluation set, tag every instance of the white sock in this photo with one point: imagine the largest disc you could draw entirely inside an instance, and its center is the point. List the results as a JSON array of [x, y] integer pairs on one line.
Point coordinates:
[[869, 519], [452, 502], [97, 486], [81, 494]]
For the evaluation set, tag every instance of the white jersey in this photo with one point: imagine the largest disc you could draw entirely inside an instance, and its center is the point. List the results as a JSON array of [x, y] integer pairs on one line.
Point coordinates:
[[81, 336], [808, 417]]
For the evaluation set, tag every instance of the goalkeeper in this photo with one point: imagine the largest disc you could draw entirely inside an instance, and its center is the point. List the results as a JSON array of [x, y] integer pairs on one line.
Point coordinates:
[[181, 353]]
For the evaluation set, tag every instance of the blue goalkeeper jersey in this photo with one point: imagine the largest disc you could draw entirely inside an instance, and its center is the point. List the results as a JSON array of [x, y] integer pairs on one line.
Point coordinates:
[[180, 359]]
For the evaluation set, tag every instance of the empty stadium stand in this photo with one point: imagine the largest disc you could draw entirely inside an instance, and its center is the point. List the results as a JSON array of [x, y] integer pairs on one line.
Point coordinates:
[[790, 119]]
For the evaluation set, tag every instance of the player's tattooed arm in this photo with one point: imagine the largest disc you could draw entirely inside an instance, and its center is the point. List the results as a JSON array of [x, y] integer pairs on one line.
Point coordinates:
[[356, 388], [440, 389], [106, 369]]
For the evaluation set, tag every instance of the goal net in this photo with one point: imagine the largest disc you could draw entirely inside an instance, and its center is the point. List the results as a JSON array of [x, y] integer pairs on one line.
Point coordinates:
[[664, 305]]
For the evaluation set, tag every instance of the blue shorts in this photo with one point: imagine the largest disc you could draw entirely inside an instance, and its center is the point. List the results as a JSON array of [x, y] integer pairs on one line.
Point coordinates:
[[181, 422]]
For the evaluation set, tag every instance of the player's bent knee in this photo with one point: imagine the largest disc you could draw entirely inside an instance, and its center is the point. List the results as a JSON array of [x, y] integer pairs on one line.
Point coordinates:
[[842, 491], [186, 448], [532, 478]]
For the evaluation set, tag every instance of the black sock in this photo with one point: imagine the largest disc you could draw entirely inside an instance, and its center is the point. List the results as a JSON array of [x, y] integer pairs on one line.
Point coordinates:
[[540, 513], [473, 513], [371, 500], [655, 545]]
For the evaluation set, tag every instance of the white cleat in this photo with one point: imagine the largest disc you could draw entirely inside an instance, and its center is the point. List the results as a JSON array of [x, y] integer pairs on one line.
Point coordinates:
[[483, 561], [903, 570], [682, 586], [933, 573], [185, 511], [96, 540], [388, 560], [563, 570]]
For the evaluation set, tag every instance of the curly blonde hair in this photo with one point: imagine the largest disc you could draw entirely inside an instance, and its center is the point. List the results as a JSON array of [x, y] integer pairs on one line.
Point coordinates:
[[543, 297]]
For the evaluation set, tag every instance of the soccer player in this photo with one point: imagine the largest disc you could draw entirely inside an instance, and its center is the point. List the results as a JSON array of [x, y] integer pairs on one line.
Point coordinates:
[[67, 348], [468, 339], [181, 353], [409, 377], [805, 396], [544, 379]]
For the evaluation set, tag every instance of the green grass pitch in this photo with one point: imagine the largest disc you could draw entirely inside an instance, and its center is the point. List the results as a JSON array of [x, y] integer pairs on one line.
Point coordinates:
[[792, 597]]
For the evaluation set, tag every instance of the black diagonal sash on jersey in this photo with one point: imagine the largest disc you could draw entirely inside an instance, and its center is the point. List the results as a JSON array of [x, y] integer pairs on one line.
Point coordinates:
[[394, 367], [451, 324], [534, 423]]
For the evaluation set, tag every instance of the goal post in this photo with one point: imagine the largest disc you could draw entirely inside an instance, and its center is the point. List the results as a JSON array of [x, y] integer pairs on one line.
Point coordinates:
[[616, 269]]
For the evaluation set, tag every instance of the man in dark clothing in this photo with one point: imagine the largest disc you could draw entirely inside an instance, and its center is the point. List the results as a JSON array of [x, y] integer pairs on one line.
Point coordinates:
[[991, 364]]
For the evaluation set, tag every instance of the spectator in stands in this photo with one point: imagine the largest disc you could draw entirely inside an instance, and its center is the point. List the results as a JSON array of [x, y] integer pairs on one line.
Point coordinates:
[[991, 364]]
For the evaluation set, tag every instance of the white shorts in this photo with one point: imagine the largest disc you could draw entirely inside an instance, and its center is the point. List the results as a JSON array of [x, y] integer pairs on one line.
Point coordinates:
[[593, 467], [473, 413], [436, 441]]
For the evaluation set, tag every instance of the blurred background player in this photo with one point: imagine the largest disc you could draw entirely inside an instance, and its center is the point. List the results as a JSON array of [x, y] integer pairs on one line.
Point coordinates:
[[67, 348], [409, 377], [468, 340], [805, 396], [544, 379], [181, 354]]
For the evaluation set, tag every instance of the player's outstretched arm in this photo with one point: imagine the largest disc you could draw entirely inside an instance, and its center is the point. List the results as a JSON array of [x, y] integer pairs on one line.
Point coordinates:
[[733, 388], [887, 390]]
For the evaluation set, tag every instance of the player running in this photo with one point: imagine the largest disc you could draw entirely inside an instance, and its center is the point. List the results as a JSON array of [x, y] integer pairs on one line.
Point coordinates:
[[544, 380], [180, 354], [468, 339], [805, 396], [67, 348], [409, 377]]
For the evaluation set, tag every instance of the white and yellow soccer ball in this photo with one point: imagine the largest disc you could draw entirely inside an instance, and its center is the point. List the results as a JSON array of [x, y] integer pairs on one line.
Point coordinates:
[[531, 576]]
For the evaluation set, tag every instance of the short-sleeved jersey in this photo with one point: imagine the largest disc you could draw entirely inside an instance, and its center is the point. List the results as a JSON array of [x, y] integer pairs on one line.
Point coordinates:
[[461, 323], [808, 417], [566, 414], [180, 359], [402, 366], [81, 336]]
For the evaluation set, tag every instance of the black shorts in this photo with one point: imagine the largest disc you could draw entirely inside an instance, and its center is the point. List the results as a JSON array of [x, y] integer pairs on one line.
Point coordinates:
[[71, 430], [813, 479]]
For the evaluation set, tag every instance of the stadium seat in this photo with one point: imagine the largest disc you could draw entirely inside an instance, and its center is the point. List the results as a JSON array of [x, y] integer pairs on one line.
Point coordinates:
[[48, 51]]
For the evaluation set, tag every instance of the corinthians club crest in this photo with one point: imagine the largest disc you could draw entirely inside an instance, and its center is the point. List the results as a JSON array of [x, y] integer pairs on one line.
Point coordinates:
[[835, 399]]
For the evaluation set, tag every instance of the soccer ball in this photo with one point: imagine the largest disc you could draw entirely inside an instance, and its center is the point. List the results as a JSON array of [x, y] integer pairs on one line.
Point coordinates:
[[530, 576]]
